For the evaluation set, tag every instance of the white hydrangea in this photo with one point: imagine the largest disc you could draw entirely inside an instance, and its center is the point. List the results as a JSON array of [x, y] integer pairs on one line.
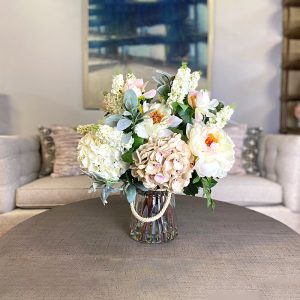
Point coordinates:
[[101, 152], [117, 84], [180, 86], [194, 79], [221, 118]]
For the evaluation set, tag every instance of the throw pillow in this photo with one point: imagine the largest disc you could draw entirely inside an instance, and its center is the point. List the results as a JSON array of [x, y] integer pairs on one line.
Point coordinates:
[[238, 135], [250, 153], [66, 141], [47, 151]]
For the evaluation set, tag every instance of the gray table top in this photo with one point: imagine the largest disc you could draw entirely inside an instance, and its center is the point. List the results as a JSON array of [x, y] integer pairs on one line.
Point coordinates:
[[83, 251]]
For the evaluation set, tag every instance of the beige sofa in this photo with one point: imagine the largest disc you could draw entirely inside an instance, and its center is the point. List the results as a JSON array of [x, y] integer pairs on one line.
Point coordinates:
[[279, 162]]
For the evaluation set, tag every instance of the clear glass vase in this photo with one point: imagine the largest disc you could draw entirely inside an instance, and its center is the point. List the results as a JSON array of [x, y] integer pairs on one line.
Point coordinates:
[[148, 204]]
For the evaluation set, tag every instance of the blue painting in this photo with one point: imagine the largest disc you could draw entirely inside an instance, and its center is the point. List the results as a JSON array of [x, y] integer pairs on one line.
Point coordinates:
[[141, 36]]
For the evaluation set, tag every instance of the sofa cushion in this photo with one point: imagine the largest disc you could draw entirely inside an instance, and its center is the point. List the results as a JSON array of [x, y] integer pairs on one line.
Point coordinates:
[[247, 190], [48, 191]]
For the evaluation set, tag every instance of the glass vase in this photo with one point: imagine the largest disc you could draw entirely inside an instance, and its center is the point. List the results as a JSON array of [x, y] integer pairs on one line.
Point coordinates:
[[148, 204]]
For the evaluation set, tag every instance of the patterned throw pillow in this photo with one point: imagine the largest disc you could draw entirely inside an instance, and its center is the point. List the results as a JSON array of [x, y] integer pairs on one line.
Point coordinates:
[[238, 134], [66, 141], [250, 152], [47, 151]]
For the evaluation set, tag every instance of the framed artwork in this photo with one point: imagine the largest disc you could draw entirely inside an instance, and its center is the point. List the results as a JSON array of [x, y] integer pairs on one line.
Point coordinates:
[[142, 36]]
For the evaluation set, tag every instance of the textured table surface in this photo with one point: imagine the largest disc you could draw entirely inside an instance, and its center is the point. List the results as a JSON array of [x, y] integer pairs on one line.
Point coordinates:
[[83, 251]]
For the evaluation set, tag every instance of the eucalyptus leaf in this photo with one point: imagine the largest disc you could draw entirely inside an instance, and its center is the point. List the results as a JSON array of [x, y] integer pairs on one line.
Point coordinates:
[[123, 124], [140, 186], [130, 192]]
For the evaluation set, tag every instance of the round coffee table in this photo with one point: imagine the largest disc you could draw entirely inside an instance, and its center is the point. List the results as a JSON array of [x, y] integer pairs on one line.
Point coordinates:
[[82, 250]]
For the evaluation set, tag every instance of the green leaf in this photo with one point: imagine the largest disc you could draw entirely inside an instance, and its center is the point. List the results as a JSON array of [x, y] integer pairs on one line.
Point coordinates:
[[208, 183], [138, 141], [183, 106], [197, 179], [127, 156], [175, 106], [176, 130], [185, 116], [131, 101]]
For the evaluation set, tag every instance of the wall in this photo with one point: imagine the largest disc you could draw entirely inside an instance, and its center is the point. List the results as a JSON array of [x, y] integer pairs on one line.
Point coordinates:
[[41, 74], [40, 63], [247, 58]]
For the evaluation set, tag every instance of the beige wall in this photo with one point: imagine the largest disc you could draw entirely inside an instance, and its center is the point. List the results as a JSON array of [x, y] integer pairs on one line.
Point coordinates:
[[41, 74], [247, 59]]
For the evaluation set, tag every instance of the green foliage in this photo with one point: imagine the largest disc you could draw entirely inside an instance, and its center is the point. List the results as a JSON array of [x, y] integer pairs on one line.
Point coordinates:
[[193, 188], [138, 141], [207, 184], [127, 156]]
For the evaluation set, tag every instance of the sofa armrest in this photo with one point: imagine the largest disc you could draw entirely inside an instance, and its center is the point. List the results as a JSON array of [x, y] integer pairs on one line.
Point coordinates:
[[19, 164], [279, 161]]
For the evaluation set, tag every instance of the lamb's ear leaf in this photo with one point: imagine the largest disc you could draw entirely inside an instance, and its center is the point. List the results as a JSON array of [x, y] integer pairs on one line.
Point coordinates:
[[131, 101], [113, 120], [130, 193], [123, 124]]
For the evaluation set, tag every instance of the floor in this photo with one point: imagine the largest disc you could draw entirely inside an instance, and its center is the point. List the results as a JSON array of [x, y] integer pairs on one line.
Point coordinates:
[[280, 213]]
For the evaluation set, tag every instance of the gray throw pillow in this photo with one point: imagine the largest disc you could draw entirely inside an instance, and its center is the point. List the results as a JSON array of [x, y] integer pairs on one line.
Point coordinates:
[[250, 152], [47, 151]]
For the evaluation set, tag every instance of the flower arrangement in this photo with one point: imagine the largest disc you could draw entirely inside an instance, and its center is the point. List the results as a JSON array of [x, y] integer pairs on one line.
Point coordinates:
[[170, 138]]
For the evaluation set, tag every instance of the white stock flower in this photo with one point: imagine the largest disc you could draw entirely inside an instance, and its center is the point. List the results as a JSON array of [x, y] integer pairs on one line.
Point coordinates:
[[194, 79], [180, 86], [221, 118], [117, 84], [214, 151], [101, 153], [157, 122]]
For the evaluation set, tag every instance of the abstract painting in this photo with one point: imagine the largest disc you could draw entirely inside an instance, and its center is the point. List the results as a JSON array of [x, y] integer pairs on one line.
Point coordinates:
[[142, 36]]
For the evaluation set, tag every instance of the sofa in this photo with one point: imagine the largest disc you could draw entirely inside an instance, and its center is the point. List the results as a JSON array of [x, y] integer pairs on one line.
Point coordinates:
[[278, 161]]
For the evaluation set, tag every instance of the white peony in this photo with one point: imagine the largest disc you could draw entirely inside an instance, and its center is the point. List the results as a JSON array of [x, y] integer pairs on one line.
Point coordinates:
[[214, 150], [101, 153], [158, 121]]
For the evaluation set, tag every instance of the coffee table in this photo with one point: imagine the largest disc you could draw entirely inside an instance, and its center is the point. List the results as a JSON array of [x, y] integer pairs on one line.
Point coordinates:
[[82, 250]]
